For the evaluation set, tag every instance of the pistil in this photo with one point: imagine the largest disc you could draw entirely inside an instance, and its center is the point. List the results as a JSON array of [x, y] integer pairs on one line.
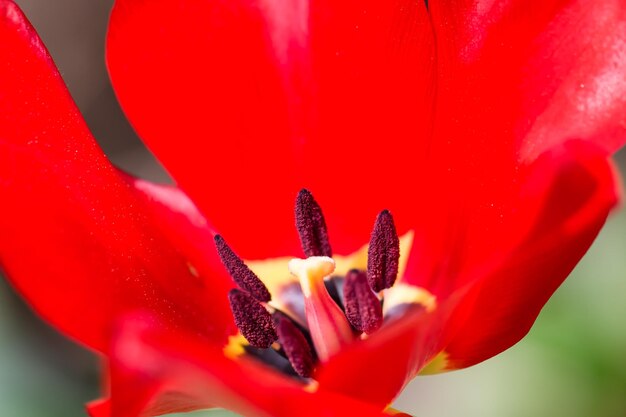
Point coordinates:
[[328, 325]]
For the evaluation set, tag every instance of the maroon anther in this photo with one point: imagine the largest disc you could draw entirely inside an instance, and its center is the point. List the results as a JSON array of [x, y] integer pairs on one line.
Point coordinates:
[[363, 308], [311, 226], [239, 271], [295, 346], [252, 319], [383, 254]]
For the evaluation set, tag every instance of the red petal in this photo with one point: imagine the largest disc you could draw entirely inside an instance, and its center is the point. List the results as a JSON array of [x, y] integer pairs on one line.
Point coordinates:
[[485, 219], [99, 408], [532, 73], [562, 205], [508, 77], [78, 242], [155, 372], [505, 302], [332, 96], [186, 229], [392, 356]]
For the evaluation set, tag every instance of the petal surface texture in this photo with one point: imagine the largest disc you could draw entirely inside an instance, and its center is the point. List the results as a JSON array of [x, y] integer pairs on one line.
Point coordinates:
[[80, 240], [534, 73], [279, 96], [508, 90]]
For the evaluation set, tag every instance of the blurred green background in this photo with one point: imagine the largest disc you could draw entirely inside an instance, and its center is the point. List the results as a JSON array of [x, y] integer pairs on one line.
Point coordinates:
[[572, 364]]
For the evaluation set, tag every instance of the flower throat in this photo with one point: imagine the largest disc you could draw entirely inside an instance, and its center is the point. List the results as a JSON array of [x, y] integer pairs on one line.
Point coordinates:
[[337, 309]]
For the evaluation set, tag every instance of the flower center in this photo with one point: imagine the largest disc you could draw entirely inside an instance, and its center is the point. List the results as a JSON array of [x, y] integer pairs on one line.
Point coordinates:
[[315, 312]]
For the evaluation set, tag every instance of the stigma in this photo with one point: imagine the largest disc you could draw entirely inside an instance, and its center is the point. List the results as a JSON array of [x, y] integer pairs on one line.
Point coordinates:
[[318, 312], [327, 324]]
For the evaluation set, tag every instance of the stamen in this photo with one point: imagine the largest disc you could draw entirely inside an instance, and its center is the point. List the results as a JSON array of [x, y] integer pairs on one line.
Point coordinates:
[[239, 271], [311, 226], [295, 345], [363, 308], [328, 325], [252, 319], [383, 255]]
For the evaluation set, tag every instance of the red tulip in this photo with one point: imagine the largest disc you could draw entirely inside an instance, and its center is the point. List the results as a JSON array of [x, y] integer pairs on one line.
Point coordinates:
[[483, 127]]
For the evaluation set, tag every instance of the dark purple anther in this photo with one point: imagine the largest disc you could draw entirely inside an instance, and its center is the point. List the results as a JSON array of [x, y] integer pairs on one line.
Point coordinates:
[[239, 271], [383, 254], [252, 319], [294, 345], [363, 308], [311, 226]]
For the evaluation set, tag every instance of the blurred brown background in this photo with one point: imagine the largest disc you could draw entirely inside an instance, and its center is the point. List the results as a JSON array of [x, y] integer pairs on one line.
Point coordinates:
[[572, 364]]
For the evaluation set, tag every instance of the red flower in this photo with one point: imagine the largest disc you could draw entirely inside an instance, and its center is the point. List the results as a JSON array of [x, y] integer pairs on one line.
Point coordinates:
[[483, 126]]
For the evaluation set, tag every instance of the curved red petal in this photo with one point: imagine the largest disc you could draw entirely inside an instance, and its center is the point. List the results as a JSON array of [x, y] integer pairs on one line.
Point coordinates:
[[508, 89], [505, 302], [485, 219], [393, 355], [187, 230], [563, 202], [99, 408], [531, 74], [78, 241], [332, 96], [156, 372]]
